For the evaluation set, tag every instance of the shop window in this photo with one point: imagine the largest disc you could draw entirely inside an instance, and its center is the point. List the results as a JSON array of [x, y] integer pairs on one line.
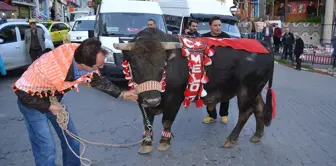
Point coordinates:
[[8, 34]]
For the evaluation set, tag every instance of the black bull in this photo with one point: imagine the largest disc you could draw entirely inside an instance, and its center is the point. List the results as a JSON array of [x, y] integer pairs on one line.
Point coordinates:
[[232, 73]]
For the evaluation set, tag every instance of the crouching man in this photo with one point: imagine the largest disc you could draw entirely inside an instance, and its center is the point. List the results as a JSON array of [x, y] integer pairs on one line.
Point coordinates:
[[54, 74]]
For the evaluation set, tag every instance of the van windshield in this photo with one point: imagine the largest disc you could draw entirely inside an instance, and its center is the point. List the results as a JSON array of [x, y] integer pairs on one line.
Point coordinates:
[[127, 24], [230, 29], [75, 16]]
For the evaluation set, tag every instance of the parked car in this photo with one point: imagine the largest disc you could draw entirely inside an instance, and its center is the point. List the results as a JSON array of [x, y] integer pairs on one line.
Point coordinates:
[[12, 44], [57, 30], [80, 30]]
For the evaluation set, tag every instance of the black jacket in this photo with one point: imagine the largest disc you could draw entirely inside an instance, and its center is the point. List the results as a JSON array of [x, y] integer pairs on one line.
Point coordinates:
[[221, 35], [194, 34], [42, 104], [288, 39], [299, 46]]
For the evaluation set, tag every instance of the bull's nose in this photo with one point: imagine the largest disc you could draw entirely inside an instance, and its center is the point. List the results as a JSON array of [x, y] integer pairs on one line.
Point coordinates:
[[153, 102]]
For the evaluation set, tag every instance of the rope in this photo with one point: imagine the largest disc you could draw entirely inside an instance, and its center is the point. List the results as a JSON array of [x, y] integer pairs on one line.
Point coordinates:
[[62, 118]]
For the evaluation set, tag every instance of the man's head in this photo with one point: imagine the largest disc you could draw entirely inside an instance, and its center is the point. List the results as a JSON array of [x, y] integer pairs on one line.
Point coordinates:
[[91, 54], [193, 24], [297, 36], [32, 23], [215, 24], [310, 2], [287, 30], [151, 23], [281, 4]]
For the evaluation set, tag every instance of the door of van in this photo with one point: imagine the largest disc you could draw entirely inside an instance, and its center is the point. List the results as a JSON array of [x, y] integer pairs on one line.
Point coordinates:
[[10, 47]]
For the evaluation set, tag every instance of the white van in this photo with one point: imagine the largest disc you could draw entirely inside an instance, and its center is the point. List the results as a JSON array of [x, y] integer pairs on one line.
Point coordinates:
[[80, 30], [179, 12], [118, 22]]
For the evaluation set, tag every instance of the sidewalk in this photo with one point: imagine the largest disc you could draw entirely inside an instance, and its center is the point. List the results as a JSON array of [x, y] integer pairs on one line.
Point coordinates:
[[309, 66]]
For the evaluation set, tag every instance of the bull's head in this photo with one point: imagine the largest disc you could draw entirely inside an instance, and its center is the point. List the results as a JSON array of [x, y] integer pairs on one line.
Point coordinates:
[[148, 57]]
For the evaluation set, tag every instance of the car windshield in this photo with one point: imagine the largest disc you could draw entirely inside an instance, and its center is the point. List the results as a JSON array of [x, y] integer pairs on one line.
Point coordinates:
[[75, 16], [230, 29], [127, 24], [47, 25], [83, 25]]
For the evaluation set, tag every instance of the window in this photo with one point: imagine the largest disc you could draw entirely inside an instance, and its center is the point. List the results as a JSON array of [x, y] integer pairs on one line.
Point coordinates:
[[62, 26], [173, 23], [127, 24], [22, 29], [54, 28], [8, 34], [84, 25], [47, 25]]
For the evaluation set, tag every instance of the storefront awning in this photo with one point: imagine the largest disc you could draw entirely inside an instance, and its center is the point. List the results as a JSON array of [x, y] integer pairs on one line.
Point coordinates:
[[5, 7]]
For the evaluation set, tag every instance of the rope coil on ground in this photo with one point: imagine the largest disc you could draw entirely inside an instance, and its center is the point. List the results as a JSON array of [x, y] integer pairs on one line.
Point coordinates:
[[62, 119]]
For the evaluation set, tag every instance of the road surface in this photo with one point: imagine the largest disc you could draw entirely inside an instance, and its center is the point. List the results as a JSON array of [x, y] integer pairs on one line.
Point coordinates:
[[302, 134]]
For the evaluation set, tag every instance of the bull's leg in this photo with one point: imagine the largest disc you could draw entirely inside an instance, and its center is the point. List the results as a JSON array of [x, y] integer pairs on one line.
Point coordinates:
[[146, 145], [170, 111], [245, 105], [259, 116]]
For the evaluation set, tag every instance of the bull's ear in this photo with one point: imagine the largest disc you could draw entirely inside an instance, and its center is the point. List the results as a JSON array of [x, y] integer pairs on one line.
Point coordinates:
[[171, 55], [123, 46], [171, 45]]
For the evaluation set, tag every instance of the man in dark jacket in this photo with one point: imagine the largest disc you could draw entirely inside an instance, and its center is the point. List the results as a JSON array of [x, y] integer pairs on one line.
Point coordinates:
[[298, 51], [192, 30], [276, 37], [334, 52], [44, 80], [215, 24], [288, 41]]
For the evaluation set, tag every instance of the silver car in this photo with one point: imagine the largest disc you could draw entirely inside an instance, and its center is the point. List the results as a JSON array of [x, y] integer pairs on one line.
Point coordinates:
[[12, 44]]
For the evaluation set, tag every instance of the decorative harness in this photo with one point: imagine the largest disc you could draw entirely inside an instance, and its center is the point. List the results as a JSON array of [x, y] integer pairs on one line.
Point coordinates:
[[198, 54]]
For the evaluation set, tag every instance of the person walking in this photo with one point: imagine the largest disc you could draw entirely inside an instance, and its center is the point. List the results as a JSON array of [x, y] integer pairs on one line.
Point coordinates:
[[288, 41], [259, 28], [276, 37], [268, 33], [35, 40], [216, 32], [298, 51]]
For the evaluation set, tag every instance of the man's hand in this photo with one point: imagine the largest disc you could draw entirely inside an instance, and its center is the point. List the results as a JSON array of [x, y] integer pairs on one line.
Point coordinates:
[[55, 108], [129, 95]]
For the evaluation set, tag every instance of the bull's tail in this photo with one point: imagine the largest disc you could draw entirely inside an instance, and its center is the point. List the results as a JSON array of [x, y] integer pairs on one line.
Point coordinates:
[[270, 106]]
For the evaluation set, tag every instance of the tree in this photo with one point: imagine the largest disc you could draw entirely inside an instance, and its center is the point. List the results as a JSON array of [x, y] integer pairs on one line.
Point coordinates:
[[95, 4]]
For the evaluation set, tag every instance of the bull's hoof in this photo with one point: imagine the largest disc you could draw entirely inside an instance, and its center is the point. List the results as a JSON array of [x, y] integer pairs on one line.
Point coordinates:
[[255, 139], [229, 144], [144, 149], [163, 146]]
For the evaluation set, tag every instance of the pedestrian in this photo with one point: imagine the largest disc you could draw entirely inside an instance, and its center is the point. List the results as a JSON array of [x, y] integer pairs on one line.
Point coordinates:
[[334, 52], [311, 10], [35, 40], [298, 51], [287, 42], [151, 23], [251, 28], [281, 12], [215, 24], [54, 74], [268, 33], [259, 28], [2, 67], [276, 37], [192, 29], [244, 28]]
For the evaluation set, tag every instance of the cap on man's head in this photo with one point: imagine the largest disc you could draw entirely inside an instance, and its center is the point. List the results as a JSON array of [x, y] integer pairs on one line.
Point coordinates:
[[32, 21]]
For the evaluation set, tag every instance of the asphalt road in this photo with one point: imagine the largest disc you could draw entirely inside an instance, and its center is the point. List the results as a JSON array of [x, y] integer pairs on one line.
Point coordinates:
[[302, 134]]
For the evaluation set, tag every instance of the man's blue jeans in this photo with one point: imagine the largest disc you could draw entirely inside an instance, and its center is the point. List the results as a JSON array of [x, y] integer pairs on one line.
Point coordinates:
[[42, 141]]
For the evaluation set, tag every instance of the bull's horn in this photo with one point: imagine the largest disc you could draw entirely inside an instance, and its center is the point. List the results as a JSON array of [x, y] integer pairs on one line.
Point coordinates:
[[171, 45], [123, 46]]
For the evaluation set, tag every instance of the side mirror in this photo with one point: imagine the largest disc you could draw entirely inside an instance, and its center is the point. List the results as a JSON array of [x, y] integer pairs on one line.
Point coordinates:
[[1, 41], [91, 33]]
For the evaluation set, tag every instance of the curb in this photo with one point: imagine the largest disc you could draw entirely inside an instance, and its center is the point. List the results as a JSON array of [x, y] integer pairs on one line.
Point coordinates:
[[318, 71]]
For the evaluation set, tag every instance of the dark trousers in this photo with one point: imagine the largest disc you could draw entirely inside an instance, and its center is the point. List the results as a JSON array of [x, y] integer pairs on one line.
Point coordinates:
[[298, 62], [276, 43], [35, 53], [223, 110], [334, 61], [288, 50]]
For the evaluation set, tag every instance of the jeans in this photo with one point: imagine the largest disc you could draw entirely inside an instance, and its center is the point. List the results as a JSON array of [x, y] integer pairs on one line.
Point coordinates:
[[252, 35], [259, 35], [42, 141], [223, 110]]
